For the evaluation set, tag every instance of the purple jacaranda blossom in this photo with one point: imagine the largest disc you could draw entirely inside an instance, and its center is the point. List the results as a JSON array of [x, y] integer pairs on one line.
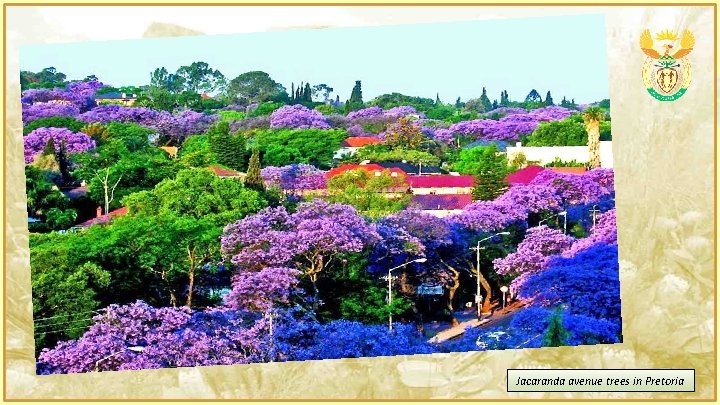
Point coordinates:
[[262, 290], [604, 231], [297, 117], [75, 142], [36, 111], [294, 177], [539, 244], [403, 111], [365, 113]]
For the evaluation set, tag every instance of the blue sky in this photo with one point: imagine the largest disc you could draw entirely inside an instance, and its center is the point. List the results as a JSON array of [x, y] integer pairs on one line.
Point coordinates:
[[565, 55]]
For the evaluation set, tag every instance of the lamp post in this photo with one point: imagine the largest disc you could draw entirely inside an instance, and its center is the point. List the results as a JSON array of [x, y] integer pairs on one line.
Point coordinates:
[[594, 211], [136, 349], [389, 279], [563, 214], [504, 290], [478, 296]]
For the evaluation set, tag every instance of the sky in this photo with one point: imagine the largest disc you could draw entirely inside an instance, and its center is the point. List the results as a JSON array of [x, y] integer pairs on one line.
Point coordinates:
[[565, 55]]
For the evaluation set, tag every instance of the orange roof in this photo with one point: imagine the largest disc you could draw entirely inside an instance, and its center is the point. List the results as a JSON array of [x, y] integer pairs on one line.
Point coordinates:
[[105, 218], [371, 167], [222, 172], [568, 170], [360, 141], [441, 181]]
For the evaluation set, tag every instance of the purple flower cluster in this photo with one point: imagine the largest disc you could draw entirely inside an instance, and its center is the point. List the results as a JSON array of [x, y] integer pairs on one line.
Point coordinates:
[[175, 127], [36, 141], [294, 177], [365, 113], [532, 253], [138, 336], [506, 111], [36, 111], [80, 94], [106, 113], [306, 240], [578, 189], [403, 111], [297, 117], [508, 128], [604, 231]]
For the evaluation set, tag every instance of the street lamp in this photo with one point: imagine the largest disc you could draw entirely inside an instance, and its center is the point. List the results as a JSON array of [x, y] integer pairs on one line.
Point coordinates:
[[563, 214], [136, 349], [504, 290], [389, 278], [478, 296], [594, 211]]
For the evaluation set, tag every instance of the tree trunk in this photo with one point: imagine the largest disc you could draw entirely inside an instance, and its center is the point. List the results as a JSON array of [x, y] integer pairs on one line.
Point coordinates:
[[593, 129], [486, 306], [191, 277], [451, 293]]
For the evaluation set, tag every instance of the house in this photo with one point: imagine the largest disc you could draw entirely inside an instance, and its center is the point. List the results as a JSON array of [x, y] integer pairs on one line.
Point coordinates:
[[351, 145], [501, 145], [528, 174], [223, 172], [441, 184], [116, 98], [376, 169], [524, 175], [568, 170], [103, 219], [410, 168], [441, 205]]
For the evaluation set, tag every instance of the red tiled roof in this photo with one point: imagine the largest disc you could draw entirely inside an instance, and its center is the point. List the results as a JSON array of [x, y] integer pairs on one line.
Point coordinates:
[[568, 170], [104, 218], [442, 201], [441, 181], [222, 172], [360, 141], [524, 176], [205, 96], [372, 167]]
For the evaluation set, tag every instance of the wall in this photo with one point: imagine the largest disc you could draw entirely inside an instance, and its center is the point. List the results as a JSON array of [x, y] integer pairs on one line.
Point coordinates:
[[546, 154]]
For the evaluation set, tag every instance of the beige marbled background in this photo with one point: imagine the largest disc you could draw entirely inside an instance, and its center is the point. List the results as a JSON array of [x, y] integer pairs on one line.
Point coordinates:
[[664, 165]]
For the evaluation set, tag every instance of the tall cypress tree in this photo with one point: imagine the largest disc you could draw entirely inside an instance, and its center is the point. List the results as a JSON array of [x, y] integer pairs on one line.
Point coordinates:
[[504, 99], [292, 92], [49, 147], [458, 104], [437, 99], [254, 180], [307, 93], [356, 101], [548, 99], [485, 100], [229, 150], [555, 335], [61, 157]]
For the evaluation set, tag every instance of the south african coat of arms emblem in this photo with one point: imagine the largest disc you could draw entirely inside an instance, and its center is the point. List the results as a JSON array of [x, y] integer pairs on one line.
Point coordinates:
[[667, 75]]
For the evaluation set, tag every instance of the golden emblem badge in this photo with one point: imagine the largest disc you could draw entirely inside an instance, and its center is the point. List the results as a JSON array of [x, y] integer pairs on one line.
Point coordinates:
[[667, 75]]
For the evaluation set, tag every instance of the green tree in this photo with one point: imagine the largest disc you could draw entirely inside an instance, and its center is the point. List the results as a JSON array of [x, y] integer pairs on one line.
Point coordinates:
[[489, 166], [322, 91], [504, 99], [485, 101], [255, 87], [54, 122], [254, 180], [356, 100], [372, 195], [555, 335], [405, 134], [199, 77], [283, 146], [382, 153], [548, 99], [198, 193], [45, 199], [64, 291], [196, 152], [229, 150]]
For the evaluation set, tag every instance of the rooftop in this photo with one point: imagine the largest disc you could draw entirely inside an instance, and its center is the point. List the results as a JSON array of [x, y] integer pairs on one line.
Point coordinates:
[[360, 141], [102, 219], [441, 181], [411, 168]]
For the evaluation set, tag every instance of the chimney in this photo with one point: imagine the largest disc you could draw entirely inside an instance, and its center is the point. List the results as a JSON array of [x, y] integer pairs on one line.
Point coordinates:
[[98, 212]]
